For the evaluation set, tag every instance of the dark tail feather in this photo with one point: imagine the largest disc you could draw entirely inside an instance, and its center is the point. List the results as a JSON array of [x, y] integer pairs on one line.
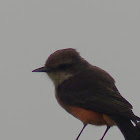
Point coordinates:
[[138, 126], [129, 131], [136, 120]]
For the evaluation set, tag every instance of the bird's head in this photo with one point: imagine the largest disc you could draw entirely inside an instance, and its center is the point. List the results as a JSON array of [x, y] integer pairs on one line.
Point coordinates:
[[62, 64]]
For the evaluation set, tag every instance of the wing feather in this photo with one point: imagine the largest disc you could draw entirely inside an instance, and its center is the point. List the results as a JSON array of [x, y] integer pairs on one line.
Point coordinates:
[[94, 90]]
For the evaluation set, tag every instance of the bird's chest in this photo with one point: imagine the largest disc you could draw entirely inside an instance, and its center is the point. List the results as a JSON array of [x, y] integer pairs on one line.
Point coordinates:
[[61, 103]]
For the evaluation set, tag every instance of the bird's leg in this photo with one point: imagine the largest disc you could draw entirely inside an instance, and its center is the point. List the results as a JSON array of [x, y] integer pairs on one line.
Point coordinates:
[[81, 131], [105, 132]]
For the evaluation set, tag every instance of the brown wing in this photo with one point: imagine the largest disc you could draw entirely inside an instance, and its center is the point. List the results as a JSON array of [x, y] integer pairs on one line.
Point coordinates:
[[94, 90]]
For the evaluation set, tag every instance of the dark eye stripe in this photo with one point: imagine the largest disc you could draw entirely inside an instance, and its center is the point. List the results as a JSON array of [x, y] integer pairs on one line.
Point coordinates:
[[64, 66], [60, 67]]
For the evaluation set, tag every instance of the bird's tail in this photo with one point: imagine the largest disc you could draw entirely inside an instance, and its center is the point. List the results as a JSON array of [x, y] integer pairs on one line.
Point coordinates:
[[138, 126], [136, 120], [127, 128]]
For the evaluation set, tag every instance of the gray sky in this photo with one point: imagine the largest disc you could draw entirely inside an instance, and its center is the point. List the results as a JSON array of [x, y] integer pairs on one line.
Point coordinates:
[[106, 33]]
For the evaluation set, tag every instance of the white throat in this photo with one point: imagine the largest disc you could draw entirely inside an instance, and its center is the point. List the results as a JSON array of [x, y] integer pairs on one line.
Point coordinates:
[[59, 77]]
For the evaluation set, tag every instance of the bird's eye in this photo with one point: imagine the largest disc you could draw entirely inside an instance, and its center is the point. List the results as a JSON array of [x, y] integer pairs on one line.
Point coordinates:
[[64, 66]]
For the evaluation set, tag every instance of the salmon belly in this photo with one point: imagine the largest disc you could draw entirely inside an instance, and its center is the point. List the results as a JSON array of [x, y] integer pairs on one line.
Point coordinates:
[[87, 116], [91, 117]]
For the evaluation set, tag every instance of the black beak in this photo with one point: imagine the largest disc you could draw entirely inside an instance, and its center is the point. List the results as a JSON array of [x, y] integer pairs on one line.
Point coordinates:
[[42, 69]]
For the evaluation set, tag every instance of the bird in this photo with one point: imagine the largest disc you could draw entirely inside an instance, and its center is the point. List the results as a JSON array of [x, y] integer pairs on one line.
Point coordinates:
[[89, 93]]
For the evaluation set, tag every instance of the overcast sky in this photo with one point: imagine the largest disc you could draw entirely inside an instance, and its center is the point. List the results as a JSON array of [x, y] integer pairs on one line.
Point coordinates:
[[106, 33]]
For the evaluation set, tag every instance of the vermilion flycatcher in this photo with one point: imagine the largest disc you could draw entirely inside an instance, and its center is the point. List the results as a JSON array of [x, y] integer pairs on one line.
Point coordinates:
[[89, 93]]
